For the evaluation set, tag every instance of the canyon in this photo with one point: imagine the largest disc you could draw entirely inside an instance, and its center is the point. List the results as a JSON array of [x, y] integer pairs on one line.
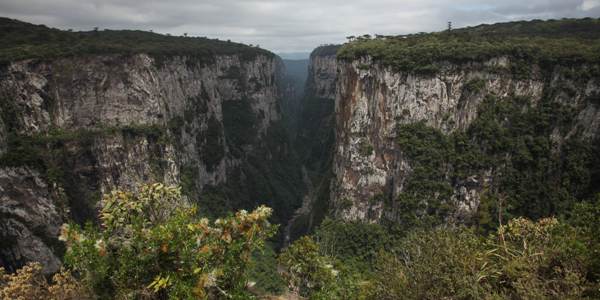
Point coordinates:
[[362, 140]]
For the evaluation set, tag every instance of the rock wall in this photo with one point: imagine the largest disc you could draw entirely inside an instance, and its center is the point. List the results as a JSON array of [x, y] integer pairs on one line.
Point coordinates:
[[370, 167], [31, 219], [86, 125], [322, 74]]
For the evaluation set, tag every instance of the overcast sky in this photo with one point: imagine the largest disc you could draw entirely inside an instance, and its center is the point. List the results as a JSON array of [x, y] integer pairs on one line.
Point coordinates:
[[287, 25]]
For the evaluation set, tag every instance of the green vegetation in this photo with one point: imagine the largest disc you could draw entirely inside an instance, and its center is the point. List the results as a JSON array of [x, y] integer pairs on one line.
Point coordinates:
[[213, 149], [152, 245], [512, 139], [241, 124], [32, 150], [425, 198], [353, 240], [523, 260], [547, 259], [263, 271], [474, 85], [274, 180], [313, 275], [56, 153], [365, 148], [22, 40], [306, 271], [532, 42]]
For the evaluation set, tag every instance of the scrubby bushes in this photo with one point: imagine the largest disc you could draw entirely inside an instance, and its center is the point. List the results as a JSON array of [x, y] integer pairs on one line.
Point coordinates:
[[545, 259], [312, 274], [352, 240], [152, 245], [512, 139], [305, 269], [523, 260], [433, 265], [30, 283]]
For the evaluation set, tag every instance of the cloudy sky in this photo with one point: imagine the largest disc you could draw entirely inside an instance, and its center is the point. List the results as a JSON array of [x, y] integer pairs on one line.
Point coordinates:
[[287, 25]]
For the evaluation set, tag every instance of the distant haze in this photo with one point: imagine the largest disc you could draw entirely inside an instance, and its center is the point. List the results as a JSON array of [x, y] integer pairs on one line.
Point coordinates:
[[287, 26], [294, 55]]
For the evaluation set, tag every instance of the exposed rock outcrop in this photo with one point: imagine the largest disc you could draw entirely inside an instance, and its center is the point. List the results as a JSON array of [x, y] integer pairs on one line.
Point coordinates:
[[30, 220], [372, 101], [322, 72], [89, 124]]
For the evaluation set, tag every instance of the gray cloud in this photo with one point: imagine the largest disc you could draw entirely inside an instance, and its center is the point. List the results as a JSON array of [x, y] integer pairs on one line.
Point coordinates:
[[287, 25]]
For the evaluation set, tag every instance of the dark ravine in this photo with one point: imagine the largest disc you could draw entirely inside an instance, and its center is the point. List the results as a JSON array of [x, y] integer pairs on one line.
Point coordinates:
[[293, 83], [315, 139]]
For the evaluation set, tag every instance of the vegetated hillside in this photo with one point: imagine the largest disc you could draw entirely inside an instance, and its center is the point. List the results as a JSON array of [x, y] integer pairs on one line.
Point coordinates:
[[21, 40], [456, 126], [533, 42], [82, 114]]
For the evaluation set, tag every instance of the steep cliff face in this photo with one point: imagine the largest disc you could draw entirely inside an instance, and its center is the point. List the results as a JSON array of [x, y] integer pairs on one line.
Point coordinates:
[[322, 72], [30, 219], [383, 115], [88, 124]]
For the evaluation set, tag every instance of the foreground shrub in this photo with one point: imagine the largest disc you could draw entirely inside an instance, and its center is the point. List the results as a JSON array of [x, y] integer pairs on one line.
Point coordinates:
[[151, 244], [432, 265], [537, 260], [523, 260], [29, 283], [316, 276], [305, 270], [352, 240], [586, 219]]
